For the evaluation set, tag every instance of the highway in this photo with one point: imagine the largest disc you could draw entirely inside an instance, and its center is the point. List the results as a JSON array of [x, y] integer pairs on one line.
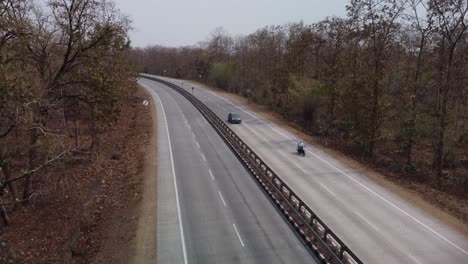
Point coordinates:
[[378, 225], [209, 208]]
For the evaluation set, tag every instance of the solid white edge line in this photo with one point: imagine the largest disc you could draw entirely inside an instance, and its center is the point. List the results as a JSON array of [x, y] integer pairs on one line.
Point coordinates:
[[238, 235], [394, 206], [415, 259], [175, 181], [222, 199], [211, 174], [356, 181], [303, 170], [350, 177]]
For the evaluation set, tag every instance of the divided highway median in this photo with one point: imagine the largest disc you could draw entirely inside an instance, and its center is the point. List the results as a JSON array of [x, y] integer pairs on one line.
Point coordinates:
[[318, 238]]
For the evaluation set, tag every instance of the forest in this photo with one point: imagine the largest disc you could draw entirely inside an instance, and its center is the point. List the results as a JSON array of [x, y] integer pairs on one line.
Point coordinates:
[[386, 84], [64, 74]]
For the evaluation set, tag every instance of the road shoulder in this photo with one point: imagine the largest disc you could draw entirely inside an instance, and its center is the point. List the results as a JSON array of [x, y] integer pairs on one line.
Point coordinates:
[[167, 222], [145, 240], [436, 203]]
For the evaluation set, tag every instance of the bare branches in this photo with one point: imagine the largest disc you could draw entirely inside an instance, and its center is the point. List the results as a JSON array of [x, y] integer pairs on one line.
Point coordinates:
[[28, 172], [379, 80], [63, 62], [18, 201]]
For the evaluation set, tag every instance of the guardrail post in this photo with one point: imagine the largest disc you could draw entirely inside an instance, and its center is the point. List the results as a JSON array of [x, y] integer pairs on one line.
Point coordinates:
[[312, 225]]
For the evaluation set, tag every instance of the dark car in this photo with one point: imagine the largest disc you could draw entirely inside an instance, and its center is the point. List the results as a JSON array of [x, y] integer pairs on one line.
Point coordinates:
[[234, 118]]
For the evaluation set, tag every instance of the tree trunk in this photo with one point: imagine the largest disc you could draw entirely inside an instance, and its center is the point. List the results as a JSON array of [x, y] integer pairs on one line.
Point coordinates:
[[374, 120], [333, 104], [440, 144], [4, 215], [94, 131], [5, 166], [354, 87], [32, 154], [442, 125], [412, 122], [76, 134]]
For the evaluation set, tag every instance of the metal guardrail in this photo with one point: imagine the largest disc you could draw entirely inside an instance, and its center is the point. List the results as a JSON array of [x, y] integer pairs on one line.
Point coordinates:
[[320, 240]]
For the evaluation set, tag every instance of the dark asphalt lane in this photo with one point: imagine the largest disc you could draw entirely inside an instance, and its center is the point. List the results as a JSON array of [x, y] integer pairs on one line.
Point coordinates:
[[225, 217], [378, 225]]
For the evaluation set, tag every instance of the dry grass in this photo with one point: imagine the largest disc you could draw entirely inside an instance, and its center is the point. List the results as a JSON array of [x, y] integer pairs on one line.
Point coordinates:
[[91, 214]]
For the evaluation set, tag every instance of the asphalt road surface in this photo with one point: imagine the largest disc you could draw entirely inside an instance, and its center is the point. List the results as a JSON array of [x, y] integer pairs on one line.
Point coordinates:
[[209, 209], [378, 225]]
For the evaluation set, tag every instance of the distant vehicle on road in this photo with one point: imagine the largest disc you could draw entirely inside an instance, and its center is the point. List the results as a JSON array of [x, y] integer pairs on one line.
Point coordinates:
[[300, 148], [234, 118]]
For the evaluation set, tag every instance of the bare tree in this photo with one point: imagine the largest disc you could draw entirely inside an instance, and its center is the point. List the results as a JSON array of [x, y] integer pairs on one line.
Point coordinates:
[[450, 24], [68, 49], [421, 25], [387, 82], [379, 21]]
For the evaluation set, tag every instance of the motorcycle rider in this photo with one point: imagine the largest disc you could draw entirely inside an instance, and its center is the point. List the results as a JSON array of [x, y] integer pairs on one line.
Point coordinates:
[[300, 148], [300, 144]]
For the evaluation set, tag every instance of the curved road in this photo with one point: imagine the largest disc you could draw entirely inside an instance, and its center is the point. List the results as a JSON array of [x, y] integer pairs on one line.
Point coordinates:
[[209, 209], [378, 225]]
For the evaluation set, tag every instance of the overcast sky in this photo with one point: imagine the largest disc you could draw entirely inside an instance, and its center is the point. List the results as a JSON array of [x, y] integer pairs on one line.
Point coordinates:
[[186, 22]]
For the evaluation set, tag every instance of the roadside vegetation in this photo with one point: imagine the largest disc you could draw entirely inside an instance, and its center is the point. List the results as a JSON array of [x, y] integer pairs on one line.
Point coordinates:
[[386, 84], [64, 80]]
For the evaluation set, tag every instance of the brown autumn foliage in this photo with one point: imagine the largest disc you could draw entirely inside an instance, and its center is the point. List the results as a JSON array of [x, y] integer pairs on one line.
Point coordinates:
[[63, 78], [387, 84], [90, 212]]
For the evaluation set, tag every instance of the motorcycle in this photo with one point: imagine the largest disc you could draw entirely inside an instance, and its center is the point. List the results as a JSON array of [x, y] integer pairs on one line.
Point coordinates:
[[300, 150]]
